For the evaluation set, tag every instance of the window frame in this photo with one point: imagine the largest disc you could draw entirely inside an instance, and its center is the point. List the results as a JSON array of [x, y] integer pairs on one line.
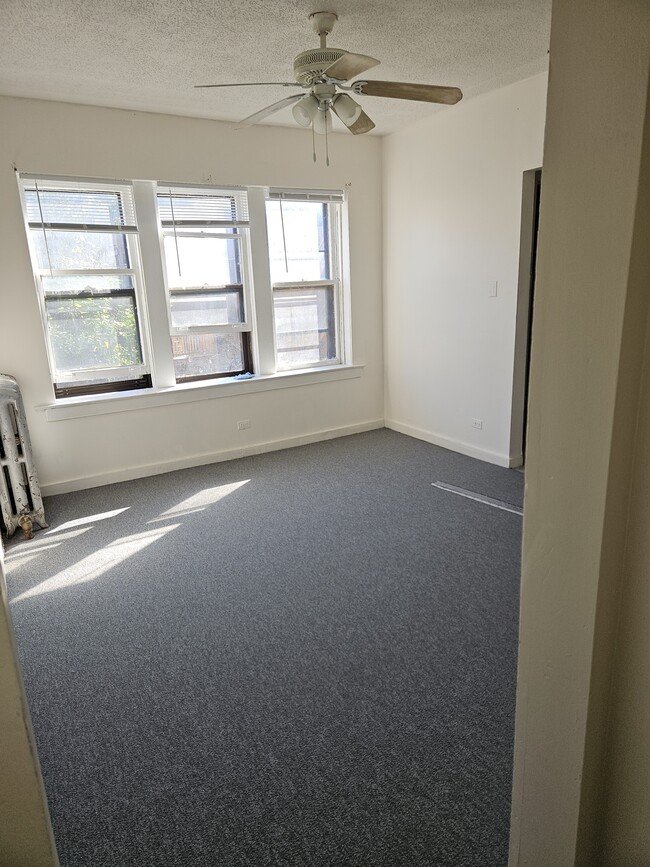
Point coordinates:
[[208, 229], [147, 271], [334, 202], [136, 377]]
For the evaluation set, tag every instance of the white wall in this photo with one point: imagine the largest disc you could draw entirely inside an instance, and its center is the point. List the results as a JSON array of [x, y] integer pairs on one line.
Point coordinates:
[[625, 802], [626, 836], [63, 139], [452, 213], [589, 330]]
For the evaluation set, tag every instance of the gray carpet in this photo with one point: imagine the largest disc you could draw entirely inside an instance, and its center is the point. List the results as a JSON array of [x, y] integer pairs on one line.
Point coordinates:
[[310, 661]]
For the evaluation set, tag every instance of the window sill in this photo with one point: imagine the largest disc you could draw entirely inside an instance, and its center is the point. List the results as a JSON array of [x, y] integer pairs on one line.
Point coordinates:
[[78, 407]]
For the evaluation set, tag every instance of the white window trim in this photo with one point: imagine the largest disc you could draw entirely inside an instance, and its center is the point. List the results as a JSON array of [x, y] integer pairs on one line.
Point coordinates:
[[155, 322], [135, 271], [339, 267], [189, 392], [242, 237]]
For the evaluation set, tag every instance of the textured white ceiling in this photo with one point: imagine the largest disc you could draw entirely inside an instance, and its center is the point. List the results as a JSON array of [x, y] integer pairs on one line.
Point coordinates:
[[148, 54]]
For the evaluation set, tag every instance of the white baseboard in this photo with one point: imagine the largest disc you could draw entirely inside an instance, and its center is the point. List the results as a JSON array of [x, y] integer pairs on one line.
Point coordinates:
[[453, 445], [200, 460]]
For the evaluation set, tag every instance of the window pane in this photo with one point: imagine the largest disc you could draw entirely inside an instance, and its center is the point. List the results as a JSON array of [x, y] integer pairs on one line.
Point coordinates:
[[86, 284], [92, 333], [80, 250], [206, 308], [206, 261], [208, 354], [306, 235], [304, 326]]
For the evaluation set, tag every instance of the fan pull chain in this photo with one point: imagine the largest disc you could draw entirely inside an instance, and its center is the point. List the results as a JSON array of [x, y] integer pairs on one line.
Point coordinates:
[[40, 211], [313, 141], [327, 147]]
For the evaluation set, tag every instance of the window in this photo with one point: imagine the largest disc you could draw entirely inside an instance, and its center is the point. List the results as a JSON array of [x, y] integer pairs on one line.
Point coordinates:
[[205, 243], [151, 286], [304, 252], [83, 240]]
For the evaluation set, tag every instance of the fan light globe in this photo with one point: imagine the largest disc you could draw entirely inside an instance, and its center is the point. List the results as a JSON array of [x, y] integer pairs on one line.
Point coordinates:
[[322, 121], [305, 110], [347, 109]]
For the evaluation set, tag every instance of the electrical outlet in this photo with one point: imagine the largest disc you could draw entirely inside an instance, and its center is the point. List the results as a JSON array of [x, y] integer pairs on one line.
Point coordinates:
[[243, 424], [477, 423]]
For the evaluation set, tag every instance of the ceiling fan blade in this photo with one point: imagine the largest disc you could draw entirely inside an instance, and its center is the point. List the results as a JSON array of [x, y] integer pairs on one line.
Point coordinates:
[[361, 125], [404, 90], [349, 65], [265, 112], [254, 84]]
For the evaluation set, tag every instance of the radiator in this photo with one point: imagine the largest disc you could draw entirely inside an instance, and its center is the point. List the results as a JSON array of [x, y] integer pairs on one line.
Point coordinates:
[[20, 495]]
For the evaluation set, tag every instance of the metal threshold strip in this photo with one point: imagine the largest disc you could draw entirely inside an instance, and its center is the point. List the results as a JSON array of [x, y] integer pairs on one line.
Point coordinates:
[[480, 498]]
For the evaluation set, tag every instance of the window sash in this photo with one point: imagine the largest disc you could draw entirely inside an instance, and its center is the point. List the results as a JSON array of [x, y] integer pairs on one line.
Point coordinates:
[[200, 226], [68, 390], [221, 236], [333, 324], [66, 383], [299, 284], [132, 373], [127, 372], [86, 272], [235, 289], [246, 367], [225, 236], [333, 243], [310, 256], [112, 229]]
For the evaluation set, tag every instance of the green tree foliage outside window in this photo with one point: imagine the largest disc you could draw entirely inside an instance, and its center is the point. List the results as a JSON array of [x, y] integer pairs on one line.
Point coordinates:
[[93, 332]]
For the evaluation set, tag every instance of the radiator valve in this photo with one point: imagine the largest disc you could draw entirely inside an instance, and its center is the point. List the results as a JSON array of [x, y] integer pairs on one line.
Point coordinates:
[[25, 524]]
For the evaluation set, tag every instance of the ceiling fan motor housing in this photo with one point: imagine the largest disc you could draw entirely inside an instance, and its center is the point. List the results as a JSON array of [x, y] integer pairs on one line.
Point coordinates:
[[310, 65]]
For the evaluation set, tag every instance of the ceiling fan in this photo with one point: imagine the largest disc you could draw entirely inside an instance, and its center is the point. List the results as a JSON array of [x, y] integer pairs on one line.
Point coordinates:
[[323, 73]]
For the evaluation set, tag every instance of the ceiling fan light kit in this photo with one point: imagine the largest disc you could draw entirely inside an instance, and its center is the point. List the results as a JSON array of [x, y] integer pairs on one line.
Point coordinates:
[[322, 121], [323, 72], [305, 110], [347, 110]]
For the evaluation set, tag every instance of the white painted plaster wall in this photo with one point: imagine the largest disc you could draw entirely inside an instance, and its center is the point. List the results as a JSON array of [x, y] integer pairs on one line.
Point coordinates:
[[626, 783], [452, 212], [591, 310], [626, 835], [63, 139]]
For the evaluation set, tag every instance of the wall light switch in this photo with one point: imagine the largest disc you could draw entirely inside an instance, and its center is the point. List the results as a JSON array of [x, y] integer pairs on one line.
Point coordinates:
[[494, 285]]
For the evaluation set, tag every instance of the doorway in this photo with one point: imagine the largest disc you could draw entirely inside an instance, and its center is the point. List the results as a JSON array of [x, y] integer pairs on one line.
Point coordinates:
[[530, 202]]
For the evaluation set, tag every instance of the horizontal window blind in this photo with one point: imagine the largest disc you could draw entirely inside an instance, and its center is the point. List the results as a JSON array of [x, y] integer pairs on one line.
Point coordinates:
[[187, 207], [57, 208], [307, 195]]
